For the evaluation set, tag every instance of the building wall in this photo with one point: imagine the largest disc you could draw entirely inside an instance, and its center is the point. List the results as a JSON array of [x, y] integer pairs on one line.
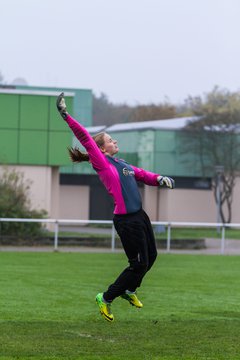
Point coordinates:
[[74, 202], [236, 202], [150, 197], [44, 186], [45, 193], [179, 204], [55, 193], [186, 205]]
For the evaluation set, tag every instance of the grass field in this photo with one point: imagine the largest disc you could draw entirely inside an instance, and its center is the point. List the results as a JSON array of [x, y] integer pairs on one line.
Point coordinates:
[[48, 311], [176, 233]]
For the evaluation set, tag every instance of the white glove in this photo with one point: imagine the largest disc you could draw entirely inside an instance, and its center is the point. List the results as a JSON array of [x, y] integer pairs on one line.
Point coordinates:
[[166, 181], [61, 106]]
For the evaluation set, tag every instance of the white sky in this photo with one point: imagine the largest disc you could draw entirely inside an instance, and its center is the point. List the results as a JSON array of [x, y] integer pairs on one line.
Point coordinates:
[[135, 51]]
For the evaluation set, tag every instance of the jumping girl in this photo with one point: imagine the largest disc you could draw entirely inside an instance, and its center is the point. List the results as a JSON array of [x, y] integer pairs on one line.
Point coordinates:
[[131, 222]]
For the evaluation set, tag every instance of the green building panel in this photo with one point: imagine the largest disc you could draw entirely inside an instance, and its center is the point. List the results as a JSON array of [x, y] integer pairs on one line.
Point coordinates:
[[33, 147], [136, 147], [165, 163], [129, 157], [34, 112], [33, 133], [159, 151], [82, 99], [165, 140], [9, 105], [58, 143], [187, 164], [31, 130], [83, 168], [164, 152], [146, 150], [8, 146], [83, 114], [127, 142]]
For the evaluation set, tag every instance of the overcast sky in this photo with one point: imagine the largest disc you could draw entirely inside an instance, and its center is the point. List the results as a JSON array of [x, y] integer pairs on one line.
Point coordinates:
[[135, 51]]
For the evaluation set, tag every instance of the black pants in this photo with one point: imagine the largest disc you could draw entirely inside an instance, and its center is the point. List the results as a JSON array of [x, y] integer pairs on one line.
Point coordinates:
[[137, 237]]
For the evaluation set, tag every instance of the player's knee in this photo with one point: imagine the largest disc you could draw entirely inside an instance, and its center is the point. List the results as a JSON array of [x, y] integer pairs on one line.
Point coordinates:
[[137, 266]]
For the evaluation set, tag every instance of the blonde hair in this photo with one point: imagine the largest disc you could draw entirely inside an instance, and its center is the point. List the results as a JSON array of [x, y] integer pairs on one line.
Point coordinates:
[[79, 156]]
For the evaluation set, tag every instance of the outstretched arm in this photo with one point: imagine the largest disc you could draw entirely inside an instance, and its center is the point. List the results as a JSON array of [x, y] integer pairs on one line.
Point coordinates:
[[146, 177], [97, 158], [153, 179]]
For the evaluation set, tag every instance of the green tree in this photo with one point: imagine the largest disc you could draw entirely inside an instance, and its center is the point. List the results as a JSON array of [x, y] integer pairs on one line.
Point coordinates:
[[152, 112], [215, 141], [15, 203], [107, 113]]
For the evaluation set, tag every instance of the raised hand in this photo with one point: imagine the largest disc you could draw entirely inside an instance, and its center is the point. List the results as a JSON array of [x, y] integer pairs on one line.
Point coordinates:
[[61, 106]]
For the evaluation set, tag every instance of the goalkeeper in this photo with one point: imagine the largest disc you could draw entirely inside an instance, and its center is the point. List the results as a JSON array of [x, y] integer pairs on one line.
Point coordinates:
[[130, 220]]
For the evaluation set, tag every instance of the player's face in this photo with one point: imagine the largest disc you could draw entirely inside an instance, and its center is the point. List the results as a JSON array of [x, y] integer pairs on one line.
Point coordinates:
[[110, 145]]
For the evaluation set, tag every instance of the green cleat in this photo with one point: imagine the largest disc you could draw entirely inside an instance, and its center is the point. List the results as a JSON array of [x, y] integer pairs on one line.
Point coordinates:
[[104, 308], [132, 299]]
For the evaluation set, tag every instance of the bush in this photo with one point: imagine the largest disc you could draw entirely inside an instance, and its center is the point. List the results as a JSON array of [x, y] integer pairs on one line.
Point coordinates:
[[15, 203]]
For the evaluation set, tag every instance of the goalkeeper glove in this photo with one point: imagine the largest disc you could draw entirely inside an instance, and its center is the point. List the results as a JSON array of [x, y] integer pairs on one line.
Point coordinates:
[[61, 106], [166, 181]]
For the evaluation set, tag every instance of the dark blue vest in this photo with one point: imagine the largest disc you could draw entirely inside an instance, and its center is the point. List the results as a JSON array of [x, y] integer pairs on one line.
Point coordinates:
[[129, 187]]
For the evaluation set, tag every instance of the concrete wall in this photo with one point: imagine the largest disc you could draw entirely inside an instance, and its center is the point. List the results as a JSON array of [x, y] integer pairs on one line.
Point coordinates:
[[43, 179], [187, 205], [54, 193], [236, 202], [74, 202], [45, 192], [150, 197]]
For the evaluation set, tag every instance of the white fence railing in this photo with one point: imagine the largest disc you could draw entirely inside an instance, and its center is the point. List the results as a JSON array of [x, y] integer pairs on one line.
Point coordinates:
[[169, 225]]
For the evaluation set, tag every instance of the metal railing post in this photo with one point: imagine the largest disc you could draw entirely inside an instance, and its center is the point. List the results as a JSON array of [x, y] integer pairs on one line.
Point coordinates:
[[56, 236], [223, 240], [58, 222], [113, 238], [169, 237]]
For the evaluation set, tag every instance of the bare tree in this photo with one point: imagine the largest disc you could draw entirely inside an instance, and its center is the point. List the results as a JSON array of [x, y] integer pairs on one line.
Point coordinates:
[[214, 139]]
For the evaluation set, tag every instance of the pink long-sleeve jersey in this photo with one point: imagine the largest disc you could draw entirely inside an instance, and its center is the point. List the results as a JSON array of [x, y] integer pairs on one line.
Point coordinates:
[[118, 177]]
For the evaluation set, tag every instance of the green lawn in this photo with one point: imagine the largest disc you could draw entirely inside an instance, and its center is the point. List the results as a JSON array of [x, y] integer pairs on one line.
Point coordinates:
[[48, 311], [176, 233], [196, 233]]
